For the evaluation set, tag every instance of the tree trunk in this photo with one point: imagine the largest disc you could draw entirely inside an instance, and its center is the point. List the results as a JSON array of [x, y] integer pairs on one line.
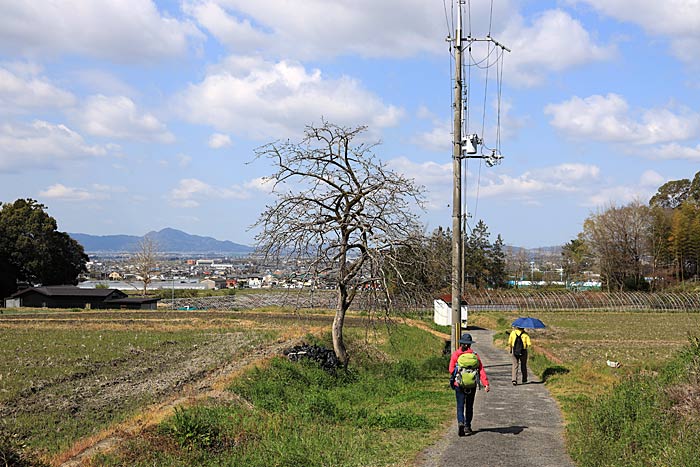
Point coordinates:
[[338, 343]]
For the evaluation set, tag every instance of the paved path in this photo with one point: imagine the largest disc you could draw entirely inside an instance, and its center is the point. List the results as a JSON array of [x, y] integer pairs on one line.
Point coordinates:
[[514, 425]]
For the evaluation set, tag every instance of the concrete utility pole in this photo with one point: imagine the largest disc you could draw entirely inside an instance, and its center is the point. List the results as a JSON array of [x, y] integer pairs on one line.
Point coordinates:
[[463, 149], [457, 189]]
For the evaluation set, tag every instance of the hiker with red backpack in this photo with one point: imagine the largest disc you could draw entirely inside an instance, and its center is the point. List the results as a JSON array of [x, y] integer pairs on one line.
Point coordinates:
[[518, 342], [467, 374]]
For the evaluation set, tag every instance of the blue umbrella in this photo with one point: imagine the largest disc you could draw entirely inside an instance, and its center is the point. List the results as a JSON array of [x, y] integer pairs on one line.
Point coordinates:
[[529, 323]]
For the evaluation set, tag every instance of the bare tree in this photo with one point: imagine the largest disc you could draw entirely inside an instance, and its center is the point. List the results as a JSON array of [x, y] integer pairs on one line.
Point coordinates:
[[619, 239], [340, 209], [145, 261], [517, 263]]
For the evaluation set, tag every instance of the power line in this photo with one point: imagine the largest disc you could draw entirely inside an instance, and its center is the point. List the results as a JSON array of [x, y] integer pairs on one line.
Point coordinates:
[[447, 21]]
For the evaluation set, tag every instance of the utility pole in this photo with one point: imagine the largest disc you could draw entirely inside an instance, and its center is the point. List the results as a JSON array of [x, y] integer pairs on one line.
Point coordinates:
[[457, 189], [462, 149]]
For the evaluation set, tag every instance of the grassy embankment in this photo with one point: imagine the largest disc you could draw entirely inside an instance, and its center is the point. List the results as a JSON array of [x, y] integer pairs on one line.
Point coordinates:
[[647, 411], [58, 369], [389, 404]]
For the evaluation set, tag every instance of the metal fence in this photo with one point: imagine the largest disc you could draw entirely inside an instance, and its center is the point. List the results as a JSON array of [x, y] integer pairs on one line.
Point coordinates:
[[509, 300], [486, 300]]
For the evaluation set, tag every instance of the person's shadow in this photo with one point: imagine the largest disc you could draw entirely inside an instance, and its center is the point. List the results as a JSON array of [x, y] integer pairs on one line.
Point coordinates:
[[504, 430]]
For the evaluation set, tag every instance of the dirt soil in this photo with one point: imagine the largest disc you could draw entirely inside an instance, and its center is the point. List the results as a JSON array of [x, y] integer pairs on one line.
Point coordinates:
[[180, 382], [172, 377]]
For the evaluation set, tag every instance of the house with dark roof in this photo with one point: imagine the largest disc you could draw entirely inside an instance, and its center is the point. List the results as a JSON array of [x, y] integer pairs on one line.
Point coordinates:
[[69, 296]]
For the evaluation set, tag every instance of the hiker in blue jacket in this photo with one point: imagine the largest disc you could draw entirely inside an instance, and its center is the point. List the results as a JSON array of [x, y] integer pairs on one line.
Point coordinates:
[[465, 396]]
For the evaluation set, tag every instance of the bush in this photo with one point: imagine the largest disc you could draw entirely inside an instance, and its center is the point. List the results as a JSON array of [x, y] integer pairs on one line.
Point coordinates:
[[195, 428]]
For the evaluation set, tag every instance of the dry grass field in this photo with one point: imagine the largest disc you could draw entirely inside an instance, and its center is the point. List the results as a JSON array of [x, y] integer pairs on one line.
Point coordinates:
[[72, 376]]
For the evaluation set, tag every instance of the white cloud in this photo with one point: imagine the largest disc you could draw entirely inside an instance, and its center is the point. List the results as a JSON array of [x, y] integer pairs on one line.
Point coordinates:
[[65, 193], [395, 28], [609, 118], [27, 93], [553, 43], [118, 117], [526, 188], [315, 29], [183, 160], [424, 113], [190, 192], [219, 140], [264, 100], [564, 178], [568, 173], [617, 195], [582, 185], [648, 183], [424, 173], [438, 139], [261, 184], [677, 20], [102, 82], [676, 151], [237, 34], [434, 177], [651, 178], [41, 145], [122, 30]]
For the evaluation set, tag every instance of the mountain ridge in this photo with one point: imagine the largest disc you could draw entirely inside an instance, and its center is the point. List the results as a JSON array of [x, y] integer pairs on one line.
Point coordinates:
[[168, 240]]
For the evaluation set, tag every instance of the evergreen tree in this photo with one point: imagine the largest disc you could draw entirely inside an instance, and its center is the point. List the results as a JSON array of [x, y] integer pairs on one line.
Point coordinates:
[[497, 264], [476, 256], [33, 251]]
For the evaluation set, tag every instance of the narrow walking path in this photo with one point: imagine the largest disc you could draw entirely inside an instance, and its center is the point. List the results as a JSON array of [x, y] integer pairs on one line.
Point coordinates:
[[514, 425]]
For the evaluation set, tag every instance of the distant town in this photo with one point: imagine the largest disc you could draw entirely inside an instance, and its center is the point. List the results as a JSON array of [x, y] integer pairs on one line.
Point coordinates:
[[216, 272], [178, 271]]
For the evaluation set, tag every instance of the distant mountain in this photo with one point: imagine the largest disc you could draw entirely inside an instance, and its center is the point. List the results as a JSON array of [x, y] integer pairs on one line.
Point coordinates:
[[168, 241]]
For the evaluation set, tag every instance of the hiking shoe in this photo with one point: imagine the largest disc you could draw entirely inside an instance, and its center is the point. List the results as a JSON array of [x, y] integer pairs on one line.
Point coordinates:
[[468, 430], [461, 430]]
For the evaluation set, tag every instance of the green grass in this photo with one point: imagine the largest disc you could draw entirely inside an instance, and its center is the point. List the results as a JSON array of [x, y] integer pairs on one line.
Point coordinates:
[[391, 402], [648, 419]]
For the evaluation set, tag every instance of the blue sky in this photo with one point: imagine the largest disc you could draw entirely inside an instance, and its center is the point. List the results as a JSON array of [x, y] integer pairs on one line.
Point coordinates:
[[125, 116]]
